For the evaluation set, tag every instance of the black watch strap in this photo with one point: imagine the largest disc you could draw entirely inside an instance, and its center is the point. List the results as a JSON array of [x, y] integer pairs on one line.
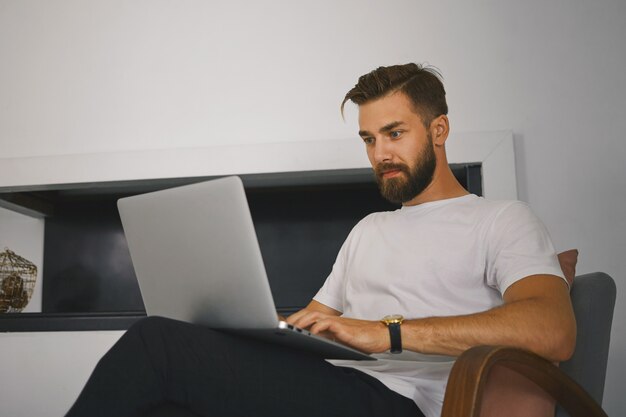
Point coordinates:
[[396, 337]]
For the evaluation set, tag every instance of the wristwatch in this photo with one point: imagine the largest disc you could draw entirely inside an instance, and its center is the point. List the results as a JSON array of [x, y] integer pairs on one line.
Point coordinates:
[[393, 323]]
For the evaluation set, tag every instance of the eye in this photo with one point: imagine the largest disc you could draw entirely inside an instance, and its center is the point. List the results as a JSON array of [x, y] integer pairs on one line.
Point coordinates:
[[368, 140], [395, 134]]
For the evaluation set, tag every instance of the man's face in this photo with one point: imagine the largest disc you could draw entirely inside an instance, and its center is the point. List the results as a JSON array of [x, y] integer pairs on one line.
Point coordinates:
[[399, 147]]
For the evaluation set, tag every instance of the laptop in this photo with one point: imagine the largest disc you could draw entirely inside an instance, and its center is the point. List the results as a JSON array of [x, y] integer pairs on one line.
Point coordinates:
[[197, 259]]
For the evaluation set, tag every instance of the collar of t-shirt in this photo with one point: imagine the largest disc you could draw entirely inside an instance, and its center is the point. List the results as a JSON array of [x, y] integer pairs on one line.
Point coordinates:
[[437, 203]]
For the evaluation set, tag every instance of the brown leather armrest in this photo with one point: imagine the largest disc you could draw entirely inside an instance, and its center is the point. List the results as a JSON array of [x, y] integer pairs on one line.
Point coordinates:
[[469, 375]]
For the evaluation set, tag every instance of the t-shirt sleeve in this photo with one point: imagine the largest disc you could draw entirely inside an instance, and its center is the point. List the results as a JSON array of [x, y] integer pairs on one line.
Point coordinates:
[[332, 293], [518, 246]]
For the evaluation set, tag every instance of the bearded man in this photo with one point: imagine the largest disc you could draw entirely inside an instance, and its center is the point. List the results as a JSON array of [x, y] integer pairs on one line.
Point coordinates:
[[414, 287]]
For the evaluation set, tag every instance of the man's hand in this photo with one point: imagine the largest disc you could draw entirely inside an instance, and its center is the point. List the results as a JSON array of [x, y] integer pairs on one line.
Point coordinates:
[[363, 335], [366, 336]]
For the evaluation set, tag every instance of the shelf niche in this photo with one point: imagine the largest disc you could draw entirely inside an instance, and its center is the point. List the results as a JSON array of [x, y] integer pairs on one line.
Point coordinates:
[[301, 220]]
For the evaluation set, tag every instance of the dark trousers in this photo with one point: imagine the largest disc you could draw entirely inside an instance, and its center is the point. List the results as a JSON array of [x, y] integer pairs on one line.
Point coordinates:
[[212, 373]]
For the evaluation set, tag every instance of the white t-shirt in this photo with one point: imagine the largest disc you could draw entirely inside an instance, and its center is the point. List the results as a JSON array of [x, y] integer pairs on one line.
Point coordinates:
[[442, 258]]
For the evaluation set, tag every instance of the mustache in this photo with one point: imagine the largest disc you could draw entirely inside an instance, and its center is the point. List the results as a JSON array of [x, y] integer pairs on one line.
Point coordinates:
[[388, 166]]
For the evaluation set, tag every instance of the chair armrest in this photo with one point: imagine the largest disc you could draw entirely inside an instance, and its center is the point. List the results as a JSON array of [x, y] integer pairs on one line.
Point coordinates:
[[470, 372]]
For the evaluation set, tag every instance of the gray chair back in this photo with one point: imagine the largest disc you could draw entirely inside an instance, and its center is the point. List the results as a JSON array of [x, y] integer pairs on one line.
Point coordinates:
[[593, 299]]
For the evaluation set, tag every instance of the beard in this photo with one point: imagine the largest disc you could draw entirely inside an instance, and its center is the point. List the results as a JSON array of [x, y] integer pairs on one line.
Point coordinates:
[[411, 181]]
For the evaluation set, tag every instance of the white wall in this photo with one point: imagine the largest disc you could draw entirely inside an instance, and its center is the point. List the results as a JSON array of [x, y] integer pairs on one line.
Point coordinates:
[[58, 363], [88, 76]]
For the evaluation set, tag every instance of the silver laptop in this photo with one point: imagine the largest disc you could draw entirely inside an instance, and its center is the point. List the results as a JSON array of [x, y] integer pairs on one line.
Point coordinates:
[[197, 259]]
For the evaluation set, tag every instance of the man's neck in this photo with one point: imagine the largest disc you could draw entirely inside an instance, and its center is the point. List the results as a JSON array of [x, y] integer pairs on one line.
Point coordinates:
[[443, 186]]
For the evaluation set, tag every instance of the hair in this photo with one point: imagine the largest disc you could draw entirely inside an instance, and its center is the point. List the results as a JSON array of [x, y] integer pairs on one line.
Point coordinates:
[[422, 85]]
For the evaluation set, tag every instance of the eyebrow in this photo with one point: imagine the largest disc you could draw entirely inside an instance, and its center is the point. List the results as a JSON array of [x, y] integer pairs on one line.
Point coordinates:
[[385, 129]]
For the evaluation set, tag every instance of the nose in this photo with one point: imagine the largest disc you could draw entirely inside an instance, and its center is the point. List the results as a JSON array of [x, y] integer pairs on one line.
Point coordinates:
[[381, 151]]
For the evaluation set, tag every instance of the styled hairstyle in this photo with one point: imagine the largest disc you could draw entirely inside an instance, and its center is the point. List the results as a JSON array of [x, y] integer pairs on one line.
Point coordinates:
[[421, 84]]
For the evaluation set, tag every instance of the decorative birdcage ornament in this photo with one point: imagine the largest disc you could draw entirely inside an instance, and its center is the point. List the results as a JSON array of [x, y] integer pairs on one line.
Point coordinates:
[[17, 281]]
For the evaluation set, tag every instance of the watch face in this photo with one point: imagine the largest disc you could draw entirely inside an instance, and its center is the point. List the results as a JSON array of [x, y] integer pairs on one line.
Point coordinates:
[[393, 318]]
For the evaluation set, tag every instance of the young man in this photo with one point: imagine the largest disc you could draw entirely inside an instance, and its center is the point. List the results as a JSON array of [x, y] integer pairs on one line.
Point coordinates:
[[416, 287]]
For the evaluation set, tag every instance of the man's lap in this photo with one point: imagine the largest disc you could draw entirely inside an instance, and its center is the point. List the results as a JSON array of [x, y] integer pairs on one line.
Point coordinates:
[[234, 375]]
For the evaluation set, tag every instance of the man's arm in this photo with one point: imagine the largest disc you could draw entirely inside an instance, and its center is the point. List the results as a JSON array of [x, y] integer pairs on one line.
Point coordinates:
[[536, 315]]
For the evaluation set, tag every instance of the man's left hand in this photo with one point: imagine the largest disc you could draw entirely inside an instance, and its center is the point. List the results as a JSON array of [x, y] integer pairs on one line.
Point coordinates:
[[364, 335]]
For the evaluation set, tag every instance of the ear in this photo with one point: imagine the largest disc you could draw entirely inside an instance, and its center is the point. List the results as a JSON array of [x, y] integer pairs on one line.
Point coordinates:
[[439, 129]]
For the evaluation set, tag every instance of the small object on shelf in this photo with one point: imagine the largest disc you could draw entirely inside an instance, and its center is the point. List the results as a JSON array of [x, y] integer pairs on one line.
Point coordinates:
[[17, 281]]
